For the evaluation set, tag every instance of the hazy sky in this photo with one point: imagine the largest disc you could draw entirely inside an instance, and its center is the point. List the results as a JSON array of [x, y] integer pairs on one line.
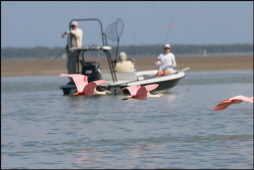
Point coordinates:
[[30, 24]]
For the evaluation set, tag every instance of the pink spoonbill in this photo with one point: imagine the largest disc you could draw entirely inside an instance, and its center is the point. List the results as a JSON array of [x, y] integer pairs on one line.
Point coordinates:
[[84, 88], [140, 92], [233, 100]]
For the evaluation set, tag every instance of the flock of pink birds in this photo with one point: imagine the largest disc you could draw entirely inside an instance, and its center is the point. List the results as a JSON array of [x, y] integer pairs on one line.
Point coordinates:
[[137, 92]]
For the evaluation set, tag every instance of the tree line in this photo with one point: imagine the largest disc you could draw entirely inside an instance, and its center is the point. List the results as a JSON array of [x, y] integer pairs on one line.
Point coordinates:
[[131, 50]]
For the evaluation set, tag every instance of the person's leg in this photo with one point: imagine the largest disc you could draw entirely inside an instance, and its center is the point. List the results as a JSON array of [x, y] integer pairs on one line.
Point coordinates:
[[72, 62], [159, 73], [68, 61], [166, 72]]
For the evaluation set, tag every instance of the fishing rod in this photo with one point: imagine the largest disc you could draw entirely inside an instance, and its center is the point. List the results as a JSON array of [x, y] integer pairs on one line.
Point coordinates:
[[166, 38], [169, 30], [53, 60]]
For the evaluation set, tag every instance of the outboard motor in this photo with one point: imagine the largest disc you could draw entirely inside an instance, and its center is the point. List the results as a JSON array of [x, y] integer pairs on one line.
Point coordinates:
[[91, 70]]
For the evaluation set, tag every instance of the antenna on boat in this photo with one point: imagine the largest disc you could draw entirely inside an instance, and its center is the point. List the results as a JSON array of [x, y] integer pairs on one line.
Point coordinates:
[[114, 32]]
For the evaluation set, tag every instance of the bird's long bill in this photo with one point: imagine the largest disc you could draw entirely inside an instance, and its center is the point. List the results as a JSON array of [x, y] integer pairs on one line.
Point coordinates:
[[75, 94], [127, 98]]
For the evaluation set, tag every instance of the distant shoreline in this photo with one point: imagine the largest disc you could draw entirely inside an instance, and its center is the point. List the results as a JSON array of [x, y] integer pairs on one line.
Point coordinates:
[[47, 66]]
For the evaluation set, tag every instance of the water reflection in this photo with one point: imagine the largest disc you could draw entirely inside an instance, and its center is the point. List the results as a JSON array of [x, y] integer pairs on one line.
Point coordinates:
[[85, 157]]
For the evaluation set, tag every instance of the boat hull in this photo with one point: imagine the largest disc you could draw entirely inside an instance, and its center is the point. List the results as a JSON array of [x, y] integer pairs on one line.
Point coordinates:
[[165, 83]]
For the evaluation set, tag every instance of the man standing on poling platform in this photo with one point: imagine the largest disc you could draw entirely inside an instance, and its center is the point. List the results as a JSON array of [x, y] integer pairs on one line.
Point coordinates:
[[74, 41]]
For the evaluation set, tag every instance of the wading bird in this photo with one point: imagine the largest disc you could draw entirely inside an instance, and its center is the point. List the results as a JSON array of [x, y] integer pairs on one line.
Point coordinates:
[[233, 100], [84, 88], [140, 92]]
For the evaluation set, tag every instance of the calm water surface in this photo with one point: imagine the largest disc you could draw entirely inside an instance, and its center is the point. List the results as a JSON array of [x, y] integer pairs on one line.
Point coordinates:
[[41, 128]]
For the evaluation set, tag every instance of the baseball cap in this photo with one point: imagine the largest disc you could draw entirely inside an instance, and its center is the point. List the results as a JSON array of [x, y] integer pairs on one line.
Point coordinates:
[[167, 46], [74, 23]]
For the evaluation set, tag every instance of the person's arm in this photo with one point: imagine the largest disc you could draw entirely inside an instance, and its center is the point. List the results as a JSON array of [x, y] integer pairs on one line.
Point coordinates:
[[173, 60], [158, 60], [132, 67], [73, 32], [65, 33]]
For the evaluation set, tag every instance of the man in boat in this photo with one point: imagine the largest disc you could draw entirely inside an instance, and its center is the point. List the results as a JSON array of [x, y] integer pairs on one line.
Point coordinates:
[[166, 62], [124, 65], [74, 41]]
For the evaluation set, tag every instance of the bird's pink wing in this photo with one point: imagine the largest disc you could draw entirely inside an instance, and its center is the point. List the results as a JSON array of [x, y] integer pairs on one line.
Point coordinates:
[[132, 89], [222, 105], [240, 98], [99, 82], [151, 87], [141, 93], [90, 87], [79, 80], [233, 100]]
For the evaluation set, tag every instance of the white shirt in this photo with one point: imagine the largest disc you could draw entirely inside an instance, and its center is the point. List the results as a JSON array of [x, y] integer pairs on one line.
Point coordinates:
[[167, 61], [75, 38]]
